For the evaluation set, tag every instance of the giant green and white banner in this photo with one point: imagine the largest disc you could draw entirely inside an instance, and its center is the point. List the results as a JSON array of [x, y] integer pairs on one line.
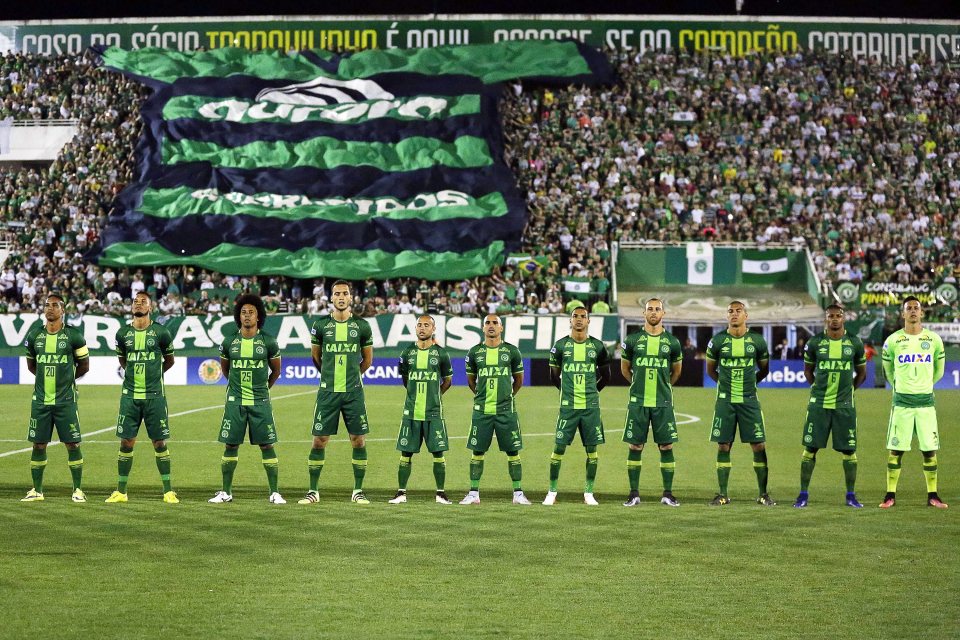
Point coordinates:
[[890, 40]]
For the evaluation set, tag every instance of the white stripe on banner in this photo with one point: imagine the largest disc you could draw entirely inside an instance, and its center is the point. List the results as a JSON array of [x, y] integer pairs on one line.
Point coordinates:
[[699, 263], [764, 267]]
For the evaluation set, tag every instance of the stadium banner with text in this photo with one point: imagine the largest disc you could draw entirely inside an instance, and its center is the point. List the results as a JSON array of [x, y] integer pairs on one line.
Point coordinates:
[[318, 164], [889, 39], [392, 333], [875, 293], [301, 371]]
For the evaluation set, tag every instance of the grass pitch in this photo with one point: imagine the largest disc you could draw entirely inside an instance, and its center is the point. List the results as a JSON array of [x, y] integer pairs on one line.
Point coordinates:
[[335, 569]]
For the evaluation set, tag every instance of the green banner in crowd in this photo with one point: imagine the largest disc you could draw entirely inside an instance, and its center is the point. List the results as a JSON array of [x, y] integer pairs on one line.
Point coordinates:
[[887, 294], [890, 40], [201, 335]]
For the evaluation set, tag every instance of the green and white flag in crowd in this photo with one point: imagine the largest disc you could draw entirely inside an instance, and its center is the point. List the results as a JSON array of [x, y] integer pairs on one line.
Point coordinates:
[[763, 266], [699, 263], [573, 284]]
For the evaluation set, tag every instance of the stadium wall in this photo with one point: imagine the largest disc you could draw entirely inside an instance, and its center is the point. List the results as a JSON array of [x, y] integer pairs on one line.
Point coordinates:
[[890, 39]]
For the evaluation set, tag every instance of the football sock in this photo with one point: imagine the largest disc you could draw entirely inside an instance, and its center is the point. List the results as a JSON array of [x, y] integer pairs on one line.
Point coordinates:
[[38, 462], [930, 473], [515, 468], [315, 465], [723, 470], [439, 470], [163, 466], [808, 460], [760, 467], [592, 460], [359, 467], [850, 471], [403, 471], [124, 464], [75, 462], [228, 464], [634, 464], [893, 472], [271, 466], [556, 459], [476, 470], [667, 467]]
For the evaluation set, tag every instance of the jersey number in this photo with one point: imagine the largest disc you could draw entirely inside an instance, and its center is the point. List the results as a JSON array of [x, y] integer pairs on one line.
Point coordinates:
[[421, 388], [579, 379], [341, 361], [246, 377], [737, 375], [50, 372], [139, 368]]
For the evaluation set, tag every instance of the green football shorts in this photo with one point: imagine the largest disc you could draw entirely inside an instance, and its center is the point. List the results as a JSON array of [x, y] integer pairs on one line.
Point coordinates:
[[415, 432], [255, 419], [505, 425], [727, 417], [820, 423], [44, 417], [905, 421], [152, 412], [640, 420], [330, 405], [586, 421]]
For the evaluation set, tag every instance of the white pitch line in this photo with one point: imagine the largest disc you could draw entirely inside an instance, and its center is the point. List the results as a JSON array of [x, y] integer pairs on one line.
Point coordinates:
[[525, 435], [692, 419], [172, 415]]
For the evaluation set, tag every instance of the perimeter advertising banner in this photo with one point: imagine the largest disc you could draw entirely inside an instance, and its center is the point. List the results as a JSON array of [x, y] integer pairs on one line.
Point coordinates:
[[891, 40]]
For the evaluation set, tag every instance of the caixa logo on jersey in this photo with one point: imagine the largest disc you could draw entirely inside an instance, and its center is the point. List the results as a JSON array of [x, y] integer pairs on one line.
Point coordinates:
[[915, 358]]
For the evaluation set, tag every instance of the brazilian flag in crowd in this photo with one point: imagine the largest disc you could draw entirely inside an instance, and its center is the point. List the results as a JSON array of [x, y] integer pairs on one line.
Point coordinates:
[[380, 163]]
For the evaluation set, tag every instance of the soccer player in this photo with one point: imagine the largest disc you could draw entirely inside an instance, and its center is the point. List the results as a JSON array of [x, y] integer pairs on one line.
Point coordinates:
[[495, 376], [913, 361], [427, 374], [57, 355], [737, 360], [834, 365], [342, 349], [579, 368], [651, 361], [251, 361], [145, 351]]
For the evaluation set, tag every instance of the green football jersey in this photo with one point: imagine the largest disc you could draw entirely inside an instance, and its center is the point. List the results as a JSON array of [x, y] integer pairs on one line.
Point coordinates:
[[652, 358], [911, 363], [341, 345], [493, 368], [249, 367], [578, 363], [737, 360], [56, 356], [144, 351], [424, 370], [834, 364]]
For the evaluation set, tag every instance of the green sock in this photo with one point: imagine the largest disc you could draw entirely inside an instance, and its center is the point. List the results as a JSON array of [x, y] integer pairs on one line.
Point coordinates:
[[476, 470], [723, 470], [124, 464], [850, 471], [893, 472], [592, 460], [808, 460], [514, 468], [359, 467], [403, 472], [634, 465], [760, 468], [667, 467], [228, 464], [38, 462], [315, 465], [163, 466], [930, 473], [556, 459], [271, 466], [439, 470], [75, 462]]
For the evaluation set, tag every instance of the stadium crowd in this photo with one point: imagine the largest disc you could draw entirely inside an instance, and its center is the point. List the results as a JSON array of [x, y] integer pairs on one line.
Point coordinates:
[[855, 159]]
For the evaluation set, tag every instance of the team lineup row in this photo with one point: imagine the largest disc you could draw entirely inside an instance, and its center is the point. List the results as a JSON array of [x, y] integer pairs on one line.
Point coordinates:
[[341, 347]]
